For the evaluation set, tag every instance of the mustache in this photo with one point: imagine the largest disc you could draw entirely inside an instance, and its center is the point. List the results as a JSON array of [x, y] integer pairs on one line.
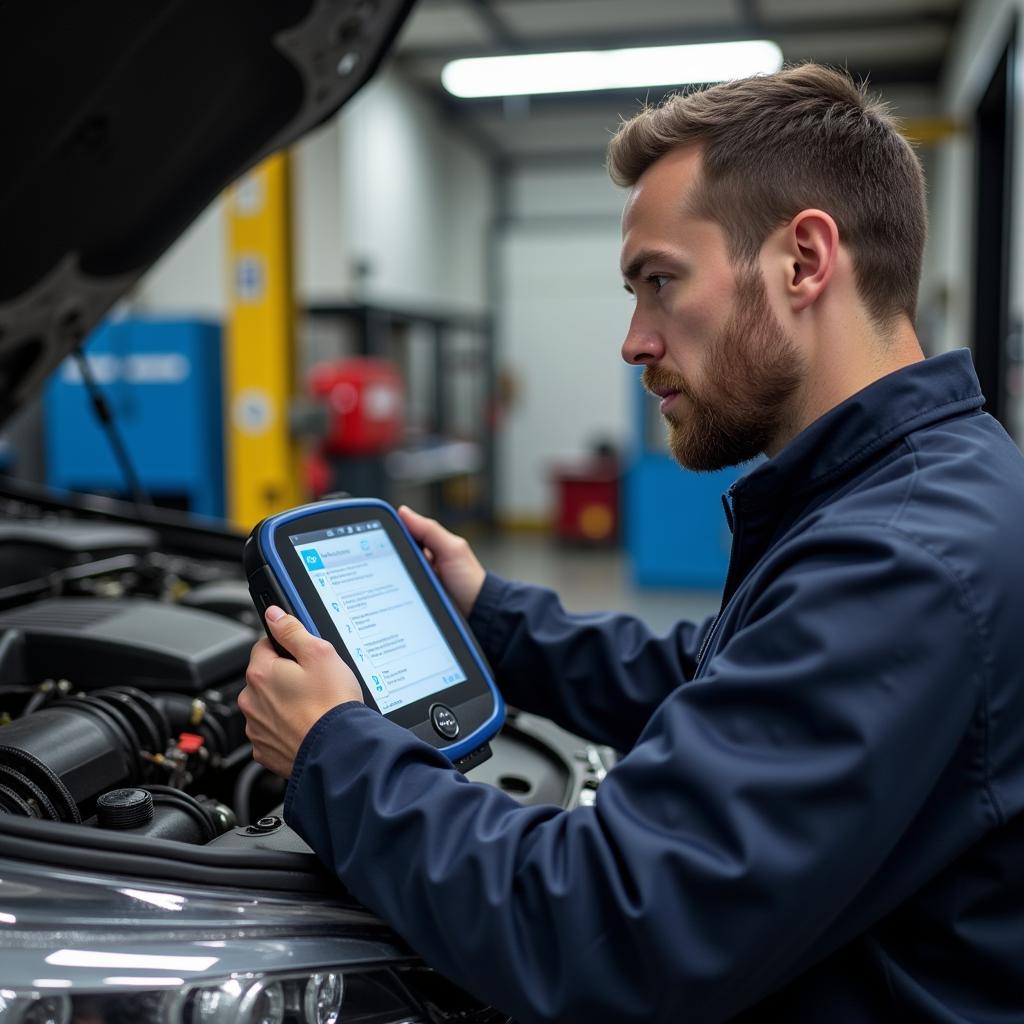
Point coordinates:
[[657, 378]]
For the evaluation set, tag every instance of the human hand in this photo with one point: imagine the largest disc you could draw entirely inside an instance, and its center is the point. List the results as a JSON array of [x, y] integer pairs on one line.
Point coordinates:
[[451, 556], [284, 699]]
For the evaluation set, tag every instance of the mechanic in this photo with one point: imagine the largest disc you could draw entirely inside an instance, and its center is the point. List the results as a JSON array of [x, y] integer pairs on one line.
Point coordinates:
[[818, 814]]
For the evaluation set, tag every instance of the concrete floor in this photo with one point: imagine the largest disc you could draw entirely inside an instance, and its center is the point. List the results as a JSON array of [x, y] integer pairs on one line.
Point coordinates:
[[591, 579]]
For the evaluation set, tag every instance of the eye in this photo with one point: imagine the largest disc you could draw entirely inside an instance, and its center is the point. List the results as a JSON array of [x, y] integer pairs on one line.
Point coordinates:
[[658, 281]]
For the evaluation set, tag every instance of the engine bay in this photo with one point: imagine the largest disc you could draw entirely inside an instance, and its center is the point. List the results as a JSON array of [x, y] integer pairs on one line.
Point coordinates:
[[120, 665], [123, 648]]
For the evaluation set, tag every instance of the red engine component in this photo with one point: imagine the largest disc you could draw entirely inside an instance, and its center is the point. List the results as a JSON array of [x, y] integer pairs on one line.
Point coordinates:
[[366, 402], [190, 742]]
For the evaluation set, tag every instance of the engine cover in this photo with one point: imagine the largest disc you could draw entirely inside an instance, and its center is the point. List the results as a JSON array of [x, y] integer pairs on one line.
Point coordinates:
[[98, 642]]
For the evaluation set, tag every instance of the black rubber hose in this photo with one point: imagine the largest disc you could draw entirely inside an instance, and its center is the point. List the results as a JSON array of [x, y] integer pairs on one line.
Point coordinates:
[[244, 785]]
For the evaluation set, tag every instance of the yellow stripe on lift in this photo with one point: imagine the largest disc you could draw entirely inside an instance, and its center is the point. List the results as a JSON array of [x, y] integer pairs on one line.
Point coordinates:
[[263, 474]]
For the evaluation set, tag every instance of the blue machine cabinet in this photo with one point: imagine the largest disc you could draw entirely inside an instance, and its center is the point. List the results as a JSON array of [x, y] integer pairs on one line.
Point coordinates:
[[162, 379], [675, 527]]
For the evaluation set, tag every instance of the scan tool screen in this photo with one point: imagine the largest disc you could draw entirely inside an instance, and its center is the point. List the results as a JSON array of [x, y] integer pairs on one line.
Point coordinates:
[[392, 638]]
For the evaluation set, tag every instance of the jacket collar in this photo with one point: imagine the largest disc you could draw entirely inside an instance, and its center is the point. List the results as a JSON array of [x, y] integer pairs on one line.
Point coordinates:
[[765, 502], [850, 434]]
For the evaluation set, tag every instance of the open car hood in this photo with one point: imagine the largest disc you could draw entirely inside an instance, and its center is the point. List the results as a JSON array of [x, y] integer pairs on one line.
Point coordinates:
[[123, 120]]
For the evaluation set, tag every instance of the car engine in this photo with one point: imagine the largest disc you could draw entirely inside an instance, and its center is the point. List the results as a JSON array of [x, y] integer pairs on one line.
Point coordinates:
[[123, 648], [119, 670]]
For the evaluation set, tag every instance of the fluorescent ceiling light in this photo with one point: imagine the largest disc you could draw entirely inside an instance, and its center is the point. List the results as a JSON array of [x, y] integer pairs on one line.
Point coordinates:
[[533, 73]]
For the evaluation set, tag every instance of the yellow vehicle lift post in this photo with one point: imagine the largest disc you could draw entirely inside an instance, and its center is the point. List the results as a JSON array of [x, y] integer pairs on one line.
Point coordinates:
[[262, 457]]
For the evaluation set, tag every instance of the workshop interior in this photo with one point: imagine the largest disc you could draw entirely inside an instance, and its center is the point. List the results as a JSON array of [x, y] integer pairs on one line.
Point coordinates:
[[258, 255]]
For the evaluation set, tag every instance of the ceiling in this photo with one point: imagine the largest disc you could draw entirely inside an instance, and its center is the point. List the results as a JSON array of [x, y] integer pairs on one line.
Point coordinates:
[[899, 45]]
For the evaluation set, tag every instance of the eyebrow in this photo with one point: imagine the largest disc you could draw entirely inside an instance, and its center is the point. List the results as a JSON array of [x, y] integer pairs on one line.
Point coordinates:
[[632, 270]]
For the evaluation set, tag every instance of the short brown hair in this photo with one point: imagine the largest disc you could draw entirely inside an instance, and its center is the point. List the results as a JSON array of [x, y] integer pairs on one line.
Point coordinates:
[[805, 137]]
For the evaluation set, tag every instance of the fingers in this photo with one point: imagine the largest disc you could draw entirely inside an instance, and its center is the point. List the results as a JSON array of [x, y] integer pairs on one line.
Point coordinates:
[[294, 637], [451, 556], [414, 522], [430, 533], [261, 658]]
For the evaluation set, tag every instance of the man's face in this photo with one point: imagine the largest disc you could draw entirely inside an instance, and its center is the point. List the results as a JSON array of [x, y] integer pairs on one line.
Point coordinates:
[[704, 330]]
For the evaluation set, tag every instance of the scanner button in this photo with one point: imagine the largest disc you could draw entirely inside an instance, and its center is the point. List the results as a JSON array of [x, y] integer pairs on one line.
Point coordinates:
[[444, 721]]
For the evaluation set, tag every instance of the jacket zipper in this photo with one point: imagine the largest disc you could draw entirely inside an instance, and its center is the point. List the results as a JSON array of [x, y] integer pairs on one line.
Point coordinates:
[[737, 528]]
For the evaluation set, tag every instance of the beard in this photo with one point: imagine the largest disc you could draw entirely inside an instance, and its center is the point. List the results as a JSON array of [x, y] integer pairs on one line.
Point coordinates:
[[752, 370]]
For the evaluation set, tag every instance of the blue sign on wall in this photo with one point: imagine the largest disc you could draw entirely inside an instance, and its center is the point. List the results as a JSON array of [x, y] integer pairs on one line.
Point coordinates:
[[162, 379]]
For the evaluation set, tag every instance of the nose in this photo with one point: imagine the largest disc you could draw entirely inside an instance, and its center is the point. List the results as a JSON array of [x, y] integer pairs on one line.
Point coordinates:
[[643, 344]]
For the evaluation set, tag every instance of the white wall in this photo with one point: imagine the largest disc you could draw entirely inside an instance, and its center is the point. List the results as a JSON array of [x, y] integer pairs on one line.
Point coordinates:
[[320, 250], [416, 202], [561, 319], [190, 280]]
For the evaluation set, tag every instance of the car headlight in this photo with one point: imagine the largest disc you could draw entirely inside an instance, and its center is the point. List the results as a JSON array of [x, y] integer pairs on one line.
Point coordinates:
[[131, 954], [34, 1008], [321, 1001], [321, 997], [404, 994]]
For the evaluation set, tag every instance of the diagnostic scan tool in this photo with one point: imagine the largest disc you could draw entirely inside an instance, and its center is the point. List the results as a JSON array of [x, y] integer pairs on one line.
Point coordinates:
[[352, 574]]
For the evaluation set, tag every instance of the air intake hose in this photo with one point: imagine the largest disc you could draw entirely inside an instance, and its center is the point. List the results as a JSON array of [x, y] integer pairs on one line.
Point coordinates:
[[54, 763]]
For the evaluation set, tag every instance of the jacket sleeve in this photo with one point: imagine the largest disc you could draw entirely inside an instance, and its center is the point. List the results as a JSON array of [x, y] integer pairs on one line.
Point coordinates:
[[600, 675], [723, 854]]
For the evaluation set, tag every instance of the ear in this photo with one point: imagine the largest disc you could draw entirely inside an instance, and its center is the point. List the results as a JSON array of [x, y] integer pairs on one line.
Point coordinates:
[[811, 244]]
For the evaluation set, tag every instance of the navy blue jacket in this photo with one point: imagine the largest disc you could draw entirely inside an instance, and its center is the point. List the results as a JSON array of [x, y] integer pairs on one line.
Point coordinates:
[[819, 813]]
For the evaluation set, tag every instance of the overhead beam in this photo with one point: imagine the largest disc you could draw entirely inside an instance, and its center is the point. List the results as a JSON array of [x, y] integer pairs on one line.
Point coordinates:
[[670, 35], [750, 17], [499, 29]]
